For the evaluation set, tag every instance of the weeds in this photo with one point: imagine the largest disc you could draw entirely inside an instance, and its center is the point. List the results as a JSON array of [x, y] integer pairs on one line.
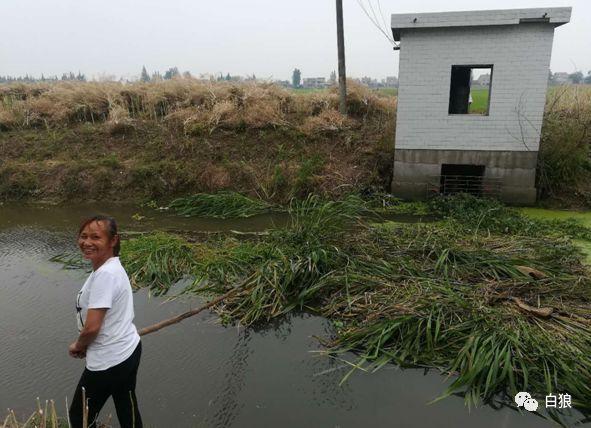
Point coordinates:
[[157, 261], [220, 205], [565, 149], [47, 417], [490, 215]]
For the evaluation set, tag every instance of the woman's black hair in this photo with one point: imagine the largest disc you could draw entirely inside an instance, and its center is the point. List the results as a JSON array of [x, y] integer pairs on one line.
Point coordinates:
[[111, 229]]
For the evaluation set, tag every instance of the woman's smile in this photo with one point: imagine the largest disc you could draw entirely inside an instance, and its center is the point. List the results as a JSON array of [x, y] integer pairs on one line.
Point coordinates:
[[95, 243]]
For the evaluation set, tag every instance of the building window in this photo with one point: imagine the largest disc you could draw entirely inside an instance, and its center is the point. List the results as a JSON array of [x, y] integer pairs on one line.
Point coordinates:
[[470, 89]]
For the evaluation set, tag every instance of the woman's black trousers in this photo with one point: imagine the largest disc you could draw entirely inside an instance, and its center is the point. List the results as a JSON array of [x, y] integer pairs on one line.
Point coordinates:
[[118, 382]]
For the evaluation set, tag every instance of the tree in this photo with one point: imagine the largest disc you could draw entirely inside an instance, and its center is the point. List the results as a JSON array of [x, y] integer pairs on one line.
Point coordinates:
[[144, 77], [333, 77], [171, 73], [588, 78], [296, 78], [576, 77], [228, 77]]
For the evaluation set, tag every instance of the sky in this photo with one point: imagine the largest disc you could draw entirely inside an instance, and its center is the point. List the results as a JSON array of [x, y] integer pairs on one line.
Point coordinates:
[[268, 38]]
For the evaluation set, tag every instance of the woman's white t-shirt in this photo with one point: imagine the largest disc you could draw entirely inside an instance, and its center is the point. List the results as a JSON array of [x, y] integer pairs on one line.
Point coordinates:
[[108, 287]]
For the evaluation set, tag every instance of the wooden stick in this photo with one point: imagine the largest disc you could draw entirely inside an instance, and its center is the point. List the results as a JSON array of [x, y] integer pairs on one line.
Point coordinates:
[[540, 312], [179, 318]]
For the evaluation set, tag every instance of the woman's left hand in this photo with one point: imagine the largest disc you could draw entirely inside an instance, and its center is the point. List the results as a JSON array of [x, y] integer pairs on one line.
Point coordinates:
[[76, 351]]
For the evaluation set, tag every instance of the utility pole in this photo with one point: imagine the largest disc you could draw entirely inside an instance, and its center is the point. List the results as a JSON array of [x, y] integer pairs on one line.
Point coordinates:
[[341, 48]]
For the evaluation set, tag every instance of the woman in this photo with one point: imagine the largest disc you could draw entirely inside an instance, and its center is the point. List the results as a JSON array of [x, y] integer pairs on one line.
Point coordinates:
[[108, 339]]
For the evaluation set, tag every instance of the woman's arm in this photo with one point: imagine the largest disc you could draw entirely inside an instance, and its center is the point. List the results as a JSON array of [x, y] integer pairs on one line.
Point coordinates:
[[92, 326]]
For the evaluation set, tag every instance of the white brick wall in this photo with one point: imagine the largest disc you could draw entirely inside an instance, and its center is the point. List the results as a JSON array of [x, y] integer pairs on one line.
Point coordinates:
[[520, 55]]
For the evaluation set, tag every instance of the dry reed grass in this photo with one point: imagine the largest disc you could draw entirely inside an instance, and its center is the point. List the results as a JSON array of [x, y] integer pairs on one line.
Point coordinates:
[[187, 105], [47, 417], [565, 150]]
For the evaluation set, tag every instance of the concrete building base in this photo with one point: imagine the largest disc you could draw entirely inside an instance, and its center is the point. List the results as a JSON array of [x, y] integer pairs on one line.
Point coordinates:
[[416, 172]]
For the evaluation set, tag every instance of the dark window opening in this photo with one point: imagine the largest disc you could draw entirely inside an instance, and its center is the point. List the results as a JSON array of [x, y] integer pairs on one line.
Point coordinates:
[[470, 89], [458, 178]]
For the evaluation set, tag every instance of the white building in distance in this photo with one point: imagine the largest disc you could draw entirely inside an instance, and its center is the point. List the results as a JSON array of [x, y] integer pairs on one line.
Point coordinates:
[[315, 82]]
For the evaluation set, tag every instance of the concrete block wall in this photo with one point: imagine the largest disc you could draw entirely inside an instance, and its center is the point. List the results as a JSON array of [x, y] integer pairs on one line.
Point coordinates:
[[520, 55]]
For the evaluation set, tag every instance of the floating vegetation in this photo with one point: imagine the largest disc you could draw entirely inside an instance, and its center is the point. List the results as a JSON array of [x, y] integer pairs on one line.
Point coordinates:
[[493, 216], [500, 302], [220, 205], [70, 261], [157, 260]]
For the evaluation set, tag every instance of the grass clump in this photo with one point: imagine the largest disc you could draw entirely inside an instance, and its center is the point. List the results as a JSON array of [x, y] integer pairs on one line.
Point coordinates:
[[157, 261], [491, 215], [220, 205], [564, 164]]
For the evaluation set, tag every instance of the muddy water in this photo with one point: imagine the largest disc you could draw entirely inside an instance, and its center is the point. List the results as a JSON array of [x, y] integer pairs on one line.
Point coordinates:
[[197, 373]]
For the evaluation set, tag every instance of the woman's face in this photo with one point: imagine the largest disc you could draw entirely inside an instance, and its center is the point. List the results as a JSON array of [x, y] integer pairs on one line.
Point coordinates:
[[95, 243]]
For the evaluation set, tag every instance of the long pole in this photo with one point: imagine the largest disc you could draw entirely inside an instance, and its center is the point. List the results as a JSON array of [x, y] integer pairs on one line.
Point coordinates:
[[175, 320], [341, 48]]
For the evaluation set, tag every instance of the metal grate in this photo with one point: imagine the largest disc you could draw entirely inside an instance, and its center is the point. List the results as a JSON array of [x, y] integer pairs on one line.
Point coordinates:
[[474, 185]]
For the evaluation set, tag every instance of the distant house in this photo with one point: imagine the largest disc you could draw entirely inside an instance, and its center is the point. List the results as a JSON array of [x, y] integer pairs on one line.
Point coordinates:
[[283, 83], [391, 82], [315, 82], [561, 78], [483, 80]]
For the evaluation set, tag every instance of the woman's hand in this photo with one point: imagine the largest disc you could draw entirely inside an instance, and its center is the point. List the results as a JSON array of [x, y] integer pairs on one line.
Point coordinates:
[[76, 350], [92, 326]]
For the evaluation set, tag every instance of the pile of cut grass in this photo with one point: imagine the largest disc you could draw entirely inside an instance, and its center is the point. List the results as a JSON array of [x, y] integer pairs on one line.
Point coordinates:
[[502, 307], [220, 205], [157, 260]]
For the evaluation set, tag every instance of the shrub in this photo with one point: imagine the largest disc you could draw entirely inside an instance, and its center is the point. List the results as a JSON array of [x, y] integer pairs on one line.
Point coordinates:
[[565, 151]]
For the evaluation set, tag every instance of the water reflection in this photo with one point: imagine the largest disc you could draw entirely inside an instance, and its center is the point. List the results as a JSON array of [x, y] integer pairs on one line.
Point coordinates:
[[226, 404]]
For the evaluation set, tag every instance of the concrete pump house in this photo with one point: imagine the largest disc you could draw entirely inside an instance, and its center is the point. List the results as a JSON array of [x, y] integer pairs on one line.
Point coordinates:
[[442, 146]]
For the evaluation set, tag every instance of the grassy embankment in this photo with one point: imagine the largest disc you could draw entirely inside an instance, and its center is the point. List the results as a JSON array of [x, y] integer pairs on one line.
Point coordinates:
[[138, 142], [159, 140], [500, 302]]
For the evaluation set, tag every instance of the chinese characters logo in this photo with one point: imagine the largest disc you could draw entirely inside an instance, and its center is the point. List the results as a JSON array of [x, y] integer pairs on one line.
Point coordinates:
[[560, 401]]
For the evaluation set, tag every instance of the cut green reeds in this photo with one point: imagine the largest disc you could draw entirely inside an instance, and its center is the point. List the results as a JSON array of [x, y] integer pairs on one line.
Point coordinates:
[[220, 205], [70, 261], [157, 261]]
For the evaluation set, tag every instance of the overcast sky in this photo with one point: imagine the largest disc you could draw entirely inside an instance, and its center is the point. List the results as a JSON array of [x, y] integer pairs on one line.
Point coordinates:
[[265, 37]]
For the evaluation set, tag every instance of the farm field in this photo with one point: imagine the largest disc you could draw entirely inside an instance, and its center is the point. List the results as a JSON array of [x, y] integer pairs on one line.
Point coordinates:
[[479, 101]]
